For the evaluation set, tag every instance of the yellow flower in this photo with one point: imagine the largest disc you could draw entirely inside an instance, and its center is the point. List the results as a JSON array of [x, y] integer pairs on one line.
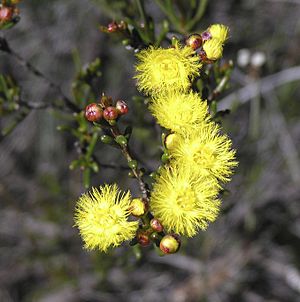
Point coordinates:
[[179, 111], [219, 31], [208, 151], [166, 69], [213, 49], [101, 216], [184, 202]]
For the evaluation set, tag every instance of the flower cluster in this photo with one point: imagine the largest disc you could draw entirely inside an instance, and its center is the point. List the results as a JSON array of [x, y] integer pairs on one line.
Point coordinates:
[[200, 158]]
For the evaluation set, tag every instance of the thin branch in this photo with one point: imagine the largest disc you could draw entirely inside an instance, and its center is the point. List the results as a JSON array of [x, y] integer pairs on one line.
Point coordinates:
[[4, 46], [267, 84], [136, 171]]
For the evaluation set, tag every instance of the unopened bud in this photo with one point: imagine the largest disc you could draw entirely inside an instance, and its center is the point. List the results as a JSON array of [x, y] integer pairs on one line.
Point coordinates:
[[121, 107], [156, 225], [137, 207], [121, 140], [153, 175], [194, 41], [112, 27], [171, 141], [106, 139], [143, 239], [213, 49], [165, 157], [6, 14], [110, 113], [169, 244], [93, 112], [132, 164]]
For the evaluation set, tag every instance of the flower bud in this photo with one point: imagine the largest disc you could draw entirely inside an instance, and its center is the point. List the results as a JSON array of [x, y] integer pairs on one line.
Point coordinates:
[[155, 236], [106, 139], [213, 49], [165, 157], [194, 41], [121, 107], [93, 112], [130, 174], [143, 238], [110, 113], [171, 141], [112, 27], [153, 175], [132, 164], [169, 244], [156, 225], [6, 14], [121, 140], [137, 207]]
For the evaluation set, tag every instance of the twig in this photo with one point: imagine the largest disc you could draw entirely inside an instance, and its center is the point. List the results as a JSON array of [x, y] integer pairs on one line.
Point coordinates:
[[136, 171], [4, 46], [267, 84]]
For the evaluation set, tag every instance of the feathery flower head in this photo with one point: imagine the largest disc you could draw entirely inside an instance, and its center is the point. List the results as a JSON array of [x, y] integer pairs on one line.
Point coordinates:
[[219, 31], [101, 216], [184, 202], [179, 111], [208, 151], [213, 49], [162, 69]]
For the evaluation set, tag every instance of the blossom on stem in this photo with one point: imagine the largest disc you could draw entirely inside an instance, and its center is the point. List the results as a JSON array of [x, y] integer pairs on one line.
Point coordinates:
[[184, 202], [208, 151], [101, 216], [170, 69], [179, 111]]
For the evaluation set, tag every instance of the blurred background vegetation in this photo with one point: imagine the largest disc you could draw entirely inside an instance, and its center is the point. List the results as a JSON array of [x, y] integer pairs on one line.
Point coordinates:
[[251, 253]]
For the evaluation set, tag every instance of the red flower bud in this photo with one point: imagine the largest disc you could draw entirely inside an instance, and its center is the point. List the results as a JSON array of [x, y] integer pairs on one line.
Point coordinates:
[[6, 13], [112, 27], [194, 41], [143, 239], [122, 107], [93, 112], [169, 244], [110, 113], [156, 225]]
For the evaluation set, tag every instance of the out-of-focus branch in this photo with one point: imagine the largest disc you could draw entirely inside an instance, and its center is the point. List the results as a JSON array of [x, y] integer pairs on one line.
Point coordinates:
[[4, 46], [267, 84]]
